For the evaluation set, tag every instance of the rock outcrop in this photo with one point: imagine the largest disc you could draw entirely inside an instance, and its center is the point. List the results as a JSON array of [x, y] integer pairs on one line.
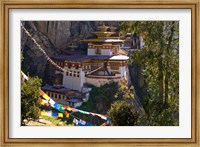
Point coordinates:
[[53, 36]]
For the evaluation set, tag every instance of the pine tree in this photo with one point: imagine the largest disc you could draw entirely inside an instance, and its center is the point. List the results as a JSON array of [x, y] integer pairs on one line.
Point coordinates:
[[29, 99], [122, 114]]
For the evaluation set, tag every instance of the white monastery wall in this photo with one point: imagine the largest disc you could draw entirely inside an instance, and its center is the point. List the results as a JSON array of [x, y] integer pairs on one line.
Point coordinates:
[[91, 51], [123, 71], [99, 82], [106, 52], [74, 82]]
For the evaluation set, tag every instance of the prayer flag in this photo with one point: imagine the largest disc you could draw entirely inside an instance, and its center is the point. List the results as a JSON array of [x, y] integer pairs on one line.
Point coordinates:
[[86, 112], [42, 92], [56, 106], [92, 113], [42, 102], [69, 109], [67, 114], [74, 110], [49, 113], [75, 121], [60, 115], [51, 102], [24, 76], [61, 110], [43, 113], [46, 97], [64, 107], [104, 124], [108, 120], [82, 122], [88, 124], [54, 114], [103, 117]]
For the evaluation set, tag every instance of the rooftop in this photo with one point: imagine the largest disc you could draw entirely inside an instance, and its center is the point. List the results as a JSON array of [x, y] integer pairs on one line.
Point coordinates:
[[79, 58], [103, 40], [75, 100], [99, 57], [76, 52], [57, 89], [119, 57]]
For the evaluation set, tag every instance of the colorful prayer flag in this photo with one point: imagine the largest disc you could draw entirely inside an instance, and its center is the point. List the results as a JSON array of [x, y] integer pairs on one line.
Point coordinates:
[[54, 114], [69, 109], [82, 122], [51, 102], [75, 121], [46, 97], [42, 92], [43, 113], [60, 115]]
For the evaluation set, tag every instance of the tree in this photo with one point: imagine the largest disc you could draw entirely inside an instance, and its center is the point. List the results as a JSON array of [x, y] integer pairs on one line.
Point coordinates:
[[122, 114], [159, 59], [124, 92], [29, 98]]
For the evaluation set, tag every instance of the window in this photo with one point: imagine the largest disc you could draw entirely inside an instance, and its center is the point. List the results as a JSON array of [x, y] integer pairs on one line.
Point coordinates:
[[55, 95], [69, 65], [67, 73], [98, 51], [76, 66]]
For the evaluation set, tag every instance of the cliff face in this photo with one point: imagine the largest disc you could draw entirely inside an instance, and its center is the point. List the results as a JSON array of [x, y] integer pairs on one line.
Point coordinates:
[[53, 36]]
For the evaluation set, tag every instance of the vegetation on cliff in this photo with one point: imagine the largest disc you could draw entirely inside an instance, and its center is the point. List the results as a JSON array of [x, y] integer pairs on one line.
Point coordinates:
[[29, 99], [157, 62], [159, 59]]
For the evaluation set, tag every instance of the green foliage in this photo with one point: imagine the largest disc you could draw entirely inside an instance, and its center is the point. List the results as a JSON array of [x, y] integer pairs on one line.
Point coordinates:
[[55, 121], [101, 98], [159, 59], [122, 114], [29, 96], [124, 92], [100, 101]]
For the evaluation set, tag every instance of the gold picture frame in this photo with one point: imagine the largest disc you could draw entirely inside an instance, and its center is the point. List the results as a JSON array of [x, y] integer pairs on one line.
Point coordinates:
[[117, 4]]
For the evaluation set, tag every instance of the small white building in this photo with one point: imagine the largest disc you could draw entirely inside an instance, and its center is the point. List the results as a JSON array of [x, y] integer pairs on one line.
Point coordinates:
[[66, 96]]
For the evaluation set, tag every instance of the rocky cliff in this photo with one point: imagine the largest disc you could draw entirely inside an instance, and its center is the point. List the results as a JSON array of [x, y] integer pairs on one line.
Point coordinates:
[[53, 36]]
